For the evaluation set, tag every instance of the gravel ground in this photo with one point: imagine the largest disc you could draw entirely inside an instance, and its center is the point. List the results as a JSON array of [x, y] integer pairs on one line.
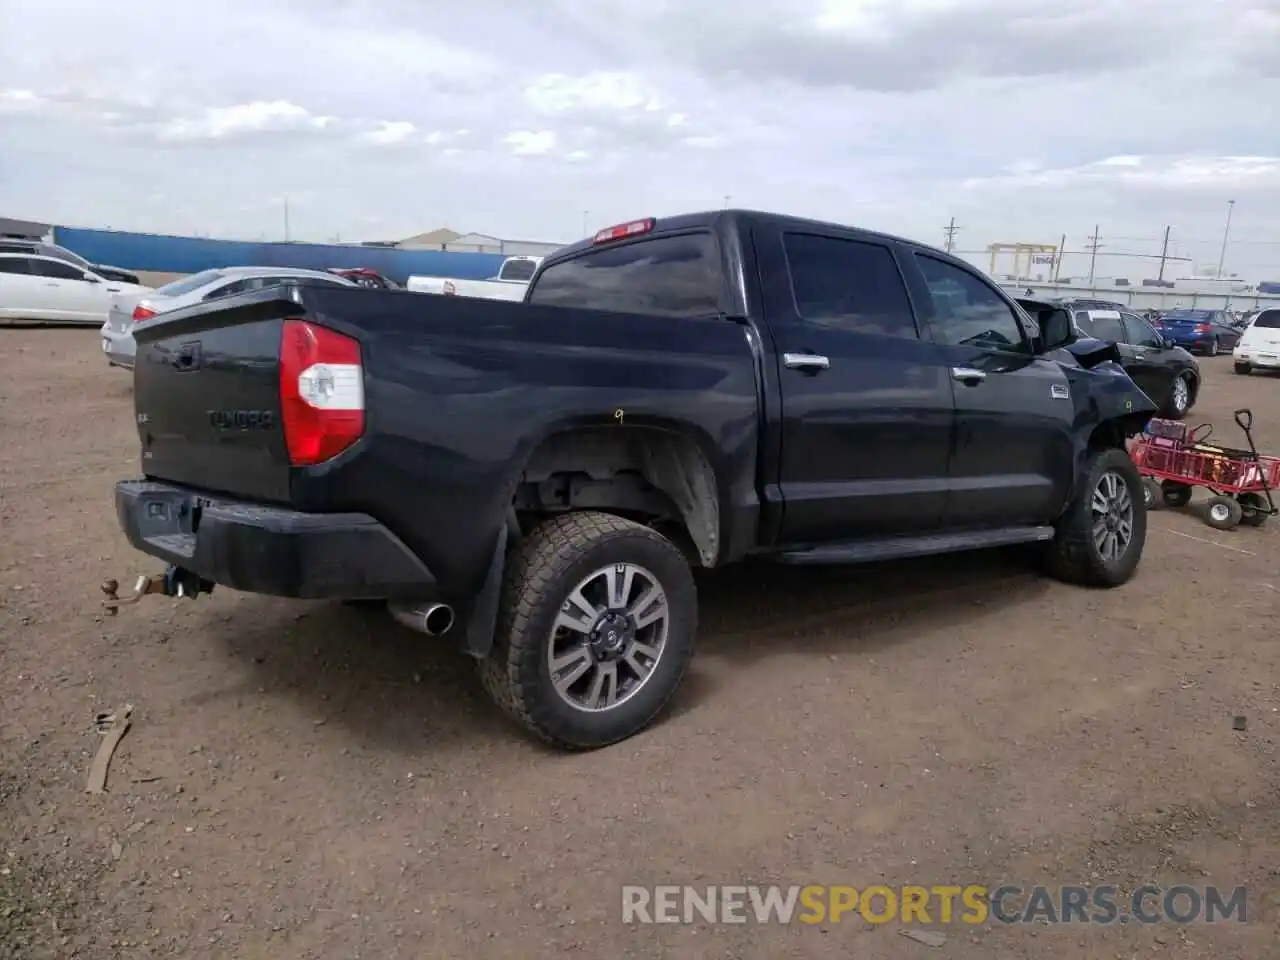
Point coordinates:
[[308, 780]]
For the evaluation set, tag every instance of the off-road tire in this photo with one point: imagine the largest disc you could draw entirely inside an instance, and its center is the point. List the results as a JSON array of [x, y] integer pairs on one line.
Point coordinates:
[[542, 570], [1233, 513], [1072, 556], [1175, 494], [1256, 510], [1152, 495]]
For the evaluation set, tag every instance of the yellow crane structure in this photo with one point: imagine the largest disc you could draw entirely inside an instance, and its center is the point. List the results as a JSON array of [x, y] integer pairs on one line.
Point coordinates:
[[1031, 251]]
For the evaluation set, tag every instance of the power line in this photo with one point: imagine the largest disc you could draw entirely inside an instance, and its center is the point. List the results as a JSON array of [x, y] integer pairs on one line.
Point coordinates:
[[950, 231]]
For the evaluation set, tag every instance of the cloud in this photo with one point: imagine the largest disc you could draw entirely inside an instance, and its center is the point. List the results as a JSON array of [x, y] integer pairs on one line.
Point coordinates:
[[1023, 119]]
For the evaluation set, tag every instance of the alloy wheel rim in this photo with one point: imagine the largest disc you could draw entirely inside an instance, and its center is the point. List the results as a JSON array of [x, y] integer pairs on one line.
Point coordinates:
[[608, 638], [1112, 510]]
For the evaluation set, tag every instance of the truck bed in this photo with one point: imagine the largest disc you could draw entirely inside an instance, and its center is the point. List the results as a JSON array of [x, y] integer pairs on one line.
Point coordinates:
[[457, 393]]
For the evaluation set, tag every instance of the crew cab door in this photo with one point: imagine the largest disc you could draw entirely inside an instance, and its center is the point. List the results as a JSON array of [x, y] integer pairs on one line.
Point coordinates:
[[866, 401], [1012, 460]]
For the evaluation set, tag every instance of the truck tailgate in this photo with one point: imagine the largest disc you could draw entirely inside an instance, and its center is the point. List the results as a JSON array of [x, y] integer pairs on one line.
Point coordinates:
[[207, 398]]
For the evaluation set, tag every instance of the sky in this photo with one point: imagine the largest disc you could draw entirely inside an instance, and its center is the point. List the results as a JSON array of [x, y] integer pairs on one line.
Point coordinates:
[[1025, 120]]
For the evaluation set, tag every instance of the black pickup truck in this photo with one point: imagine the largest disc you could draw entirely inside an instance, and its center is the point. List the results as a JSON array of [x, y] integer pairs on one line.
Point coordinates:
[[538, 478]]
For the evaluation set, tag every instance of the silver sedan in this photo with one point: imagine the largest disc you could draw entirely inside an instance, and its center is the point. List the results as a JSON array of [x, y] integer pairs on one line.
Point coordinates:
[[117, 332]]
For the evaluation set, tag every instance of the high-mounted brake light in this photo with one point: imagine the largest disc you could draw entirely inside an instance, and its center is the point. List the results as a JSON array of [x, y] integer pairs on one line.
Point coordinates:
[[321, 392], [142, 312], [624, 230]]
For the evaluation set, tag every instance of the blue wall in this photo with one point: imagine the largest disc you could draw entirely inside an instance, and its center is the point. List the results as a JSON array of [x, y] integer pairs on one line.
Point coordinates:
[[163, 254]]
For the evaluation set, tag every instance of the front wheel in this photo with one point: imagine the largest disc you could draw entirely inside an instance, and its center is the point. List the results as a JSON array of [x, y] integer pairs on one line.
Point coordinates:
[[595, 630], [1243, 369], [1101, 536]]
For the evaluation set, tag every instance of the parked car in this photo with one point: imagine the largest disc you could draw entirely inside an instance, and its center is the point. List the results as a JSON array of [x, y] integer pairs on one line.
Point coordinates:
[[1259, 346], [38, 288], [364, 277], [1205, 331], [510, 283], [126, 310], [1167, 374], [536, 478], [41, 249]]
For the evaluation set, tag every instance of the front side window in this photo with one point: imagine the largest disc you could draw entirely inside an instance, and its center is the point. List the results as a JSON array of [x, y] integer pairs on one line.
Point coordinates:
[[967, 310], [849, 285], [1140, 333], [674, 276], [56, 269]]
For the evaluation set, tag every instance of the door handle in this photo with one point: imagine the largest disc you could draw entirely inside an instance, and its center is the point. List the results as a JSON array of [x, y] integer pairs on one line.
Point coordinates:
[[968, 375], [805, 361]]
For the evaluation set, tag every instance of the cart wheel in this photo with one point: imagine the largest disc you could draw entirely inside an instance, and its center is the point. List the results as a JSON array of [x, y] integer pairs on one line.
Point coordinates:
[[1223, 513], [1175, 494], [1255, 509], [1151, 495]]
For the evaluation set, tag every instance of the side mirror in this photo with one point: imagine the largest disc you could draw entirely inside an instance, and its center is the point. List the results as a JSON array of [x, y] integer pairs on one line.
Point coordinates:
[[1055, 329], [90, 278]]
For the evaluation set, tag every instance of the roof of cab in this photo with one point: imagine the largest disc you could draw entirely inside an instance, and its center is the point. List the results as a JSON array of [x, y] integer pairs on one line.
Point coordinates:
[[710, 219]]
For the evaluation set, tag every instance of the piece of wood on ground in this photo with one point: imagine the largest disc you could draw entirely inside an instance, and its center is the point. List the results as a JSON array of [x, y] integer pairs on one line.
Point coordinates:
[[930, 938], [115, 726]]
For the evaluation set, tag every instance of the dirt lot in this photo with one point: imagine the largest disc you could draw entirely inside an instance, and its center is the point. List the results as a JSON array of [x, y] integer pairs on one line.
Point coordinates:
[[314, 781]]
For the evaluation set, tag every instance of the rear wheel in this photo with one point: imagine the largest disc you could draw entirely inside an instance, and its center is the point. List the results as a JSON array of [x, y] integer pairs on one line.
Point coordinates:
[[1179, 397], [1223, 513], [1175, 494], [1101, 536], [1213, 347], [1151, 496], [595, 630], [1243, 368]]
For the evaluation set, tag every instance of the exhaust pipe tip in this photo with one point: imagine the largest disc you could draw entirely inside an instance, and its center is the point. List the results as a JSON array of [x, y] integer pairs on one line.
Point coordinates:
[[432, 619]]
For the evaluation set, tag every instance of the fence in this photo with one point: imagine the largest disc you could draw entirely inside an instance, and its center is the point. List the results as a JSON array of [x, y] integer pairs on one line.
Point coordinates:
[[163, 254]]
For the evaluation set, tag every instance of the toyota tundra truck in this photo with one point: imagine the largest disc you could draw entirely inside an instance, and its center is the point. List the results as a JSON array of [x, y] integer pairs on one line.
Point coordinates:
[[536, 479]]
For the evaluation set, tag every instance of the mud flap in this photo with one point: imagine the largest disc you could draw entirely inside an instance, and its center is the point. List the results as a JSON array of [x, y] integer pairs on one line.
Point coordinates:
[[477, 638]]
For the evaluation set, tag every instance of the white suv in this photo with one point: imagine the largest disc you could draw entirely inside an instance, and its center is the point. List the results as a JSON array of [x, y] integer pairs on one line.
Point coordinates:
[[1259, 346]]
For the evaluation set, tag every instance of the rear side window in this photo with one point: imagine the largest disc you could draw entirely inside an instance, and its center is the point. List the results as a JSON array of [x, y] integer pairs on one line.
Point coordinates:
[[522, 270], [1267, 320], [848, 284], [187, 284], [1101, 328], [16, 265], [668, 276]]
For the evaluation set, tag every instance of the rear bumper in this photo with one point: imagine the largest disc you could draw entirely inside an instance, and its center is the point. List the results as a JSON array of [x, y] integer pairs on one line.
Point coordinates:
[[270, 550]]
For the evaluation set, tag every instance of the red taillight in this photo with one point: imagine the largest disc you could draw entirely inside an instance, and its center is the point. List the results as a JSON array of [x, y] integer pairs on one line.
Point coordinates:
[[624, 230], [321, 392], [1203, 328], [142, 312]]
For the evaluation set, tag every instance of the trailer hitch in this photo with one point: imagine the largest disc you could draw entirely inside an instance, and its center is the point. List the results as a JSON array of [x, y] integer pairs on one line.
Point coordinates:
[[174, 582]]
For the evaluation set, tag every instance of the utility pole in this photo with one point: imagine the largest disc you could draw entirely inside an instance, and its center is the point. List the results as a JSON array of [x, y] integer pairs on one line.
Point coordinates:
[[286, 219], [1093, 251], [950, 230], [1057, 261], [1164, 255], [1222, 257]]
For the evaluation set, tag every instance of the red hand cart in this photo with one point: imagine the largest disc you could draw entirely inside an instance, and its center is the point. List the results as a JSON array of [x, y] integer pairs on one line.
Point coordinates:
[[1174, 461]]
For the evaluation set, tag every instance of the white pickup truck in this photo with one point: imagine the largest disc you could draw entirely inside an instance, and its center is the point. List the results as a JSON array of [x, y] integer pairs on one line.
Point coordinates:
[[510, 283]]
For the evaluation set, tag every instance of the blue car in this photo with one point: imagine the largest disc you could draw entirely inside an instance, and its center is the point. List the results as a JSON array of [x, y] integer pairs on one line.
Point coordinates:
[[1200, 331]]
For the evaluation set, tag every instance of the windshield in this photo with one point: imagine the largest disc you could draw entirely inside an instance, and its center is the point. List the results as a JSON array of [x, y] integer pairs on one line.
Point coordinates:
[[1267, 320], [187, 284], [62, 253]]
